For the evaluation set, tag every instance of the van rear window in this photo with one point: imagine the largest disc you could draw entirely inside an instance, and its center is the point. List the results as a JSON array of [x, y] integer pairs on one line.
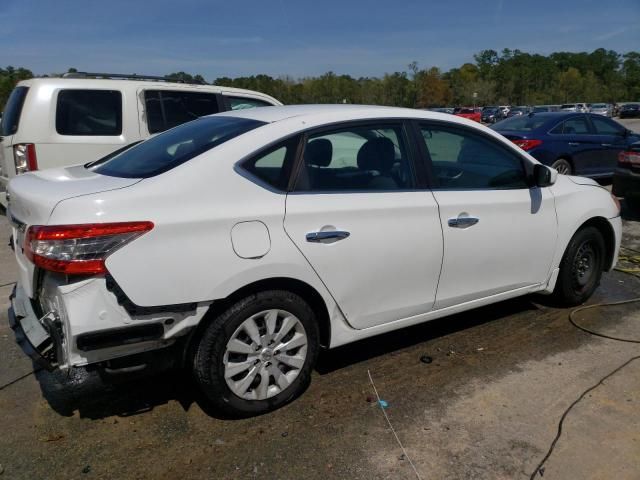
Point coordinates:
[[174, 147], [12, 111], [89, 112]]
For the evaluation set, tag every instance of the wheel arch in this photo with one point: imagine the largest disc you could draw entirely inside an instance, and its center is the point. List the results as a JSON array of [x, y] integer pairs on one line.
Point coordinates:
[[303, 289], [605, 228]]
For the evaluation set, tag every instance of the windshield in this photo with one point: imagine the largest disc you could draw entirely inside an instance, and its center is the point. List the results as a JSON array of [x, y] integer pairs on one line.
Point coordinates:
[[522, 123], [174, 147], [568, 105], [12, 110], [599, 105]]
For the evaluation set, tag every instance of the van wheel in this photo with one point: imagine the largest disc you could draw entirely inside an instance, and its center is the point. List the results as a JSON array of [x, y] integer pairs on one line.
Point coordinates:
[[258, 354], [562, 166], [581, 267]]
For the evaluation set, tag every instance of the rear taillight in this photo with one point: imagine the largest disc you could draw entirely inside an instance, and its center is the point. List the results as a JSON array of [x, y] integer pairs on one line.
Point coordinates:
[[24, 157], [629, 158], [79, 249], [527, 144]]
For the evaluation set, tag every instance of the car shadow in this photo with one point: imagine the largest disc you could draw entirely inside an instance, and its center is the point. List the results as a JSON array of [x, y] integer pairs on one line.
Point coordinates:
[[628, 213], [86, 392]]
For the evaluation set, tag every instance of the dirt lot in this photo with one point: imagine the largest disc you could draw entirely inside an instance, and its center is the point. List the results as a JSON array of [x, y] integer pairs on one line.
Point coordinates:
[[487, 406]]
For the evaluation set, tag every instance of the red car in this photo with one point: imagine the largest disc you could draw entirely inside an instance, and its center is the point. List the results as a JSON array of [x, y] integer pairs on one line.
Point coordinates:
[[470, 113]]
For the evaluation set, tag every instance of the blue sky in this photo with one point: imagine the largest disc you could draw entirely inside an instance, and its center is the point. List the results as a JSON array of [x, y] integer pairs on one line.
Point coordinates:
[[301, 37]]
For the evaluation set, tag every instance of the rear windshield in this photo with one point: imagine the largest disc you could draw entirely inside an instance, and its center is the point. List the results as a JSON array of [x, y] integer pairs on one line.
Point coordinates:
[[12, 110], [174, 147], [599, 105], [522, 123], [568, 105]]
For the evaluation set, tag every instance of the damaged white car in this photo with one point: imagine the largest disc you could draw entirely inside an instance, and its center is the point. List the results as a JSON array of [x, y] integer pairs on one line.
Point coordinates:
[[241, 243]]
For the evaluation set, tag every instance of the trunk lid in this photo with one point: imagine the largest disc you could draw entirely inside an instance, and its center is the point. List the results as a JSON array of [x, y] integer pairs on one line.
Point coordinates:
[[34, 195]]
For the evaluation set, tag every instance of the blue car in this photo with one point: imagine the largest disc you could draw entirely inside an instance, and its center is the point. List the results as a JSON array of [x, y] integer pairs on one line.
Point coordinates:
[[572, 143]]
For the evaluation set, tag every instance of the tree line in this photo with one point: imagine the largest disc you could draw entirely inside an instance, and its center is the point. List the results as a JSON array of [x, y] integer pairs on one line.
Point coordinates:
[[509, 77]]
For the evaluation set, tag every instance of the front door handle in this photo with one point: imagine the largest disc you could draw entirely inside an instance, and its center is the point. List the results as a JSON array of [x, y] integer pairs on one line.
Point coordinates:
[[574, 144], [462, 222], [328, 236], [606, 145]]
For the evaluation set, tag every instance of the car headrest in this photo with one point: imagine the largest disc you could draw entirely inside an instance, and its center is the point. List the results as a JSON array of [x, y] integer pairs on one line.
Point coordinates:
[[377, 154], [318, 152]]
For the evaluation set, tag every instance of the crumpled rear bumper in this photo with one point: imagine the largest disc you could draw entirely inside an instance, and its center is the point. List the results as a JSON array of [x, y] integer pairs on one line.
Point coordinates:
[[39, 338]]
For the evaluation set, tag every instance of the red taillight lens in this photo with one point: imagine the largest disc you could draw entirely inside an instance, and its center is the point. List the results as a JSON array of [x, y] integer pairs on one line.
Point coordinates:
[[629, 158], [527, 144], [79, 249], [24, 157]]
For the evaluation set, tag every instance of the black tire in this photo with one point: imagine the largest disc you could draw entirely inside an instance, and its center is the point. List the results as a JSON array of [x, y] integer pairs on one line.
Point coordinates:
[[209, 354], [581, 267], [563, 166]]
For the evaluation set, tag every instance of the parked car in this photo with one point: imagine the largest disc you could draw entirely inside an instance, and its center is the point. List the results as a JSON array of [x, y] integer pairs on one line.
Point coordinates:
[[572, 143], [441, 110], [470, 113], [602, 109], [52, 122], [630, 110], [491, 115], [243, 278], [517, 111], [626, 179], [505, 110], [545, 108], [574, 107]]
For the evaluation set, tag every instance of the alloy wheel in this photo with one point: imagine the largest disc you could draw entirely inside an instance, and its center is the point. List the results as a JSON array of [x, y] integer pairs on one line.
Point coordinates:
[[265, 354]]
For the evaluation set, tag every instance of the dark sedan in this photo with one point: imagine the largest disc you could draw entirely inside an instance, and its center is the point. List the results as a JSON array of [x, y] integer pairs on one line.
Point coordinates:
[[626, 179], [630, 110], [572, 143], [492, 115]]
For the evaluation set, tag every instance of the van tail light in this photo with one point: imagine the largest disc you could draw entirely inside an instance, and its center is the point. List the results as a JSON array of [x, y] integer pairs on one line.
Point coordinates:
[[629, 158], [24, 157], [526, 145], [79, 249]]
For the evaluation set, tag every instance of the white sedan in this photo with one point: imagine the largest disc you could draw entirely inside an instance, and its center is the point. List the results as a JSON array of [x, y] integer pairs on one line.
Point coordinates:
[[243, 242]]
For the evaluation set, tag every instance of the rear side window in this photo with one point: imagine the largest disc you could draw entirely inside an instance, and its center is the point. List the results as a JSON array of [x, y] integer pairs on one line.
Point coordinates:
[[273, 166], [174, 147], [573, 126], [89, 112], [169, 108], [12, 111], [240, 103]]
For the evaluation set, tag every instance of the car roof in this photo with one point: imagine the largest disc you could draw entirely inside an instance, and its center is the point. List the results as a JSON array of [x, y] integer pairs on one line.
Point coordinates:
[[114, 83], [276, 114]]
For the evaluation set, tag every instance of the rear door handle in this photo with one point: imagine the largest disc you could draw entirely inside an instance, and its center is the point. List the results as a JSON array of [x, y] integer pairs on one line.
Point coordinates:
[[329, 236], [606, 145], [574, 144], [462, 222]]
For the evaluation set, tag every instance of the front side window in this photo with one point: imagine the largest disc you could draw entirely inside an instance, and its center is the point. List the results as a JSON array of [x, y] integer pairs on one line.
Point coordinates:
[[89, 112], [12, 111], [462, 159], [605, 126], [166, 109], [573, 126], [241, 103], [170, 149], [369, 158]]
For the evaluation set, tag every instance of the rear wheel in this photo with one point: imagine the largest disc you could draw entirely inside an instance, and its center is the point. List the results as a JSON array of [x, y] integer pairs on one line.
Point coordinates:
[[258, 354], [581, 267], [562, 166]]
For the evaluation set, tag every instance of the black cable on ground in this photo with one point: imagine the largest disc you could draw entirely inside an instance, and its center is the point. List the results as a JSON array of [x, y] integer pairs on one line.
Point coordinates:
[[539, 468], [566, 412], [7, 284], [16, 380]]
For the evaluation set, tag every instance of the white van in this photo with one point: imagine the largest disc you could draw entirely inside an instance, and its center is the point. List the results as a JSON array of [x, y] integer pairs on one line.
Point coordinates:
[[53, 122]]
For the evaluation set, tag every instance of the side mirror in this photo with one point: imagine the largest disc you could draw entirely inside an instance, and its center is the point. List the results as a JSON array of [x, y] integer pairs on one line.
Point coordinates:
[[544, 176]]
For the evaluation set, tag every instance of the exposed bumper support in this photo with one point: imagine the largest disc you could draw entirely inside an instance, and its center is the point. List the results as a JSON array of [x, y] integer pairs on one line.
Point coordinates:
[[40, 339]]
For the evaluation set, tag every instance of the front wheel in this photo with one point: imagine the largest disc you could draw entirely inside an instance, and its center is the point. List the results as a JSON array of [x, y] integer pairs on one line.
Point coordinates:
[[562, 166], [258, 354], [581, 267]]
